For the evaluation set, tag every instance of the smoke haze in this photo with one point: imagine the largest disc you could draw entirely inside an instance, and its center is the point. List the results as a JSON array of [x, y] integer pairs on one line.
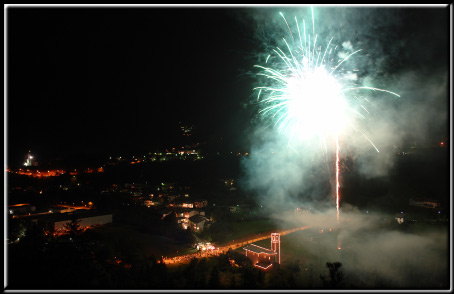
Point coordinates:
[[404, 51]]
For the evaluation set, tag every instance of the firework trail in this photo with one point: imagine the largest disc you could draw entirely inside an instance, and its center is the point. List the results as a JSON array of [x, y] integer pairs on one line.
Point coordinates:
[[306, 93], [337, 177]]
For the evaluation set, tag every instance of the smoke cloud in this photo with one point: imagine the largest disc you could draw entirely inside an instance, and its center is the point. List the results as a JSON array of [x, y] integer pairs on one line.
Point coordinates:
[[395, 58], [373, 256]]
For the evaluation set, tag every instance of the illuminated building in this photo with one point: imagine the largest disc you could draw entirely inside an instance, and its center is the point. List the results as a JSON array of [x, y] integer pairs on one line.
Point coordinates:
[[87, 220], [187, 205], [186, 130], [263, 258], [29, 161], [200, 203], [22, 208], [425, 203], [165, 213], [57, 221], [400, 218], [39, 174], [228, 183], [276, 244], [198, 222]]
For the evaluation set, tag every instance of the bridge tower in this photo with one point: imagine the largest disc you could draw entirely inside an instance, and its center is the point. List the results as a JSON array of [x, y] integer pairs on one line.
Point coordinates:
[[276, 244]]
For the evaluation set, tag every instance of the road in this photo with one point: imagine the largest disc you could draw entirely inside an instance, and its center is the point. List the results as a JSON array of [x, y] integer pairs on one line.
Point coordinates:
[[233, 245]]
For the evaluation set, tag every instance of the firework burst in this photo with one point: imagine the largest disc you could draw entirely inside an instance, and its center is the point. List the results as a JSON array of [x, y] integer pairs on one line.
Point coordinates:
[[308, 95]]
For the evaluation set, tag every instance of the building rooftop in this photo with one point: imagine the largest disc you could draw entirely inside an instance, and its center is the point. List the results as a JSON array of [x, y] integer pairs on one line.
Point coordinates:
[[197, 218], [263, 265], [19, 205], [257, 249], [66, 216]]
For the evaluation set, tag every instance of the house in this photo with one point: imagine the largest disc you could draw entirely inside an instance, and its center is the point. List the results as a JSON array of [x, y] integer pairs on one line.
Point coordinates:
[[165, 213], [427, 203], [301, 210], [187, 213], [261, 257], [86, 221], [400, 218], [183, 216], [187, 204], [57, 221], [184, 203], [198, 222], [171, 198], [22, 208], [200, 203], [264, 258], [183, 221]]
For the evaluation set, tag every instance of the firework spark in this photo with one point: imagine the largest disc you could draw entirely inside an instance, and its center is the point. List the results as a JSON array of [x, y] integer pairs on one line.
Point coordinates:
[[308, 95]]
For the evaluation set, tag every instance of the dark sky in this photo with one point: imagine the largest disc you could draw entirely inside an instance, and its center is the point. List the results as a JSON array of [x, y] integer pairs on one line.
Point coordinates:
[[112, 80], [119, 80]]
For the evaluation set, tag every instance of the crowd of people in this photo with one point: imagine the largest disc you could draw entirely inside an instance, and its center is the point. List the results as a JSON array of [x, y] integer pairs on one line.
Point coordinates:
[[215, 252], [187, 257]]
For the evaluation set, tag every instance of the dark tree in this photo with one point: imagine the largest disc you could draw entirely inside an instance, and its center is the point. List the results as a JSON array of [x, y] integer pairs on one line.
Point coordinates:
[[280, 278], [16, 229], [249, 279], [201, 271], [189, 273], [232, 284], [73, 226], [260, 279], [213, 282], [335, 276]]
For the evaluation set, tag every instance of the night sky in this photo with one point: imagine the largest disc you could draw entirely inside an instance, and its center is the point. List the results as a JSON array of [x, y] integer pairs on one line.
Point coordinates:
[[119, 80]]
